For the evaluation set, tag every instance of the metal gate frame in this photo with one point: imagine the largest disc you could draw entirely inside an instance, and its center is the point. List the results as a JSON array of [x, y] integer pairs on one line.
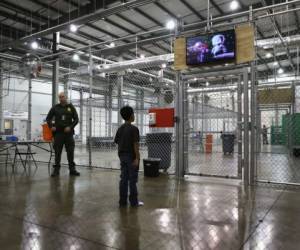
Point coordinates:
[[259, 108], [241, 74]]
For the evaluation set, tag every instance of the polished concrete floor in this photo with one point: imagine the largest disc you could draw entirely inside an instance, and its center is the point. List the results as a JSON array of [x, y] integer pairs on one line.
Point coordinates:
[[39, 212]]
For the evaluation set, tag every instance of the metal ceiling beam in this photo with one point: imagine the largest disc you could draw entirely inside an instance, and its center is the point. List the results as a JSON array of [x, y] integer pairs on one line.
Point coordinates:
[[18, 19], [45, 6], [75, 40], [192, 9], [278, 31], [83, 34], [23, 11], [86, 16], [128, 21], [145, 15], [162, 7], [216, 6], [35, 26], [148, 17], [296, 17], [266, 3], [131, 22], [264, 62], [143, 29], [131, 32]]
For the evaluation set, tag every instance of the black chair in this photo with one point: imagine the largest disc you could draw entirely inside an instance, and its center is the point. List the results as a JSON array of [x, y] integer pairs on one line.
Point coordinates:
[[52, 156], [29, 155]]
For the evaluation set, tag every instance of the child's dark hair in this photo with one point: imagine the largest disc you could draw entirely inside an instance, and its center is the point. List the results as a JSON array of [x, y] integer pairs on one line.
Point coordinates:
[[126, 112]]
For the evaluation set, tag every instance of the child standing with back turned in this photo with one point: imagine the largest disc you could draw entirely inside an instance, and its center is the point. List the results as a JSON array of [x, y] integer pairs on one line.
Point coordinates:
[[127, 138]]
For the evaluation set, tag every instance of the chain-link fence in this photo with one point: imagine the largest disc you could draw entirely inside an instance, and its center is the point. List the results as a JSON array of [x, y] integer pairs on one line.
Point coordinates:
[[278, 143], [98, 98], [213, 133], [277, 102]]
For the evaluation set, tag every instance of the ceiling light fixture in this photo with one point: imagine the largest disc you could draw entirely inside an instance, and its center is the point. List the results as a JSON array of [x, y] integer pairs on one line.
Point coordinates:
[[170, 25], [76, 57], [280, 71], [112, 45], [34, 45], [73, 28], [234, 5], [268, 55], [275, 64], [142, 56]]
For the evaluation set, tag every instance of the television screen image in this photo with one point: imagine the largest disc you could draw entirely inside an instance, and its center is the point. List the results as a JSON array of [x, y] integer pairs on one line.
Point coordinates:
[[211, 48]]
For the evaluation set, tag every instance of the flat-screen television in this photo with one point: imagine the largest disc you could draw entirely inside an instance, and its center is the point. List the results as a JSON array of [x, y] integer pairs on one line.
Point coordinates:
[[215, 48]]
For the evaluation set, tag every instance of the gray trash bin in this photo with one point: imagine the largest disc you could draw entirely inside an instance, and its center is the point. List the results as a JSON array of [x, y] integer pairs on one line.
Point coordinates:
[[160, 146], [228, 143]]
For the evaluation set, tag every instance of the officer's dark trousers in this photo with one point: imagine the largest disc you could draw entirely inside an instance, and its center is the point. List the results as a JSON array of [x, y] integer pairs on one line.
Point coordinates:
[[129, 177], [61, 140]]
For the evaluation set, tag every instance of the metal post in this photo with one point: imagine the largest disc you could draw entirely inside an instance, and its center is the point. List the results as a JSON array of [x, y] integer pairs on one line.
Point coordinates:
[[240, 124], [298, 61], [55, 69], [186, 129], [194, 100], [142, 106], [202, 114], [29, 122], [106, 114], [258, 127], [66, 86], [246, 127], [81, 113], [90, 103], [179, 169], [208, 15], [110, 110], [252, 170], [276, 115], [120, 96], [1, 100], [197, 110], [253, 126], [137, 107]]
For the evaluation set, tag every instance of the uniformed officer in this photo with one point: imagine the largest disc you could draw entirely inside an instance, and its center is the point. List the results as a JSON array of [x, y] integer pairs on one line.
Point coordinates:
[[65, 119]]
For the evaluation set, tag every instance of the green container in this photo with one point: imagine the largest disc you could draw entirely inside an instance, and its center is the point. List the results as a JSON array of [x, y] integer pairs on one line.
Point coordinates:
[[286, 123], [291, 130], [295, 129], [276, 135]]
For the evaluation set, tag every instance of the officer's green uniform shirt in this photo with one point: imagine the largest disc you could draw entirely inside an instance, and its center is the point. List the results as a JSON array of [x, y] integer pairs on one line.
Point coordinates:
[[64, 116]]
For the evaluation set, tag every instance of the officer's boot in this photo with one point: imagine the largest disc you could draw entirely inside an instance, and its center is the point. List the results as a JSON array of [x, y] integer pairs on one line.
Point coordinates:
[[55, 171], [73, 170]]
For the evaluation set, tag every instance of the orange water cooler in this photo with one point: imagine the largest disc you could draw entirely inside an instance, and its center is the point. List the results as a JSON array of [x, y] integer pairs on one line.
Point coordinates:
[[208, 143], [47, 132]]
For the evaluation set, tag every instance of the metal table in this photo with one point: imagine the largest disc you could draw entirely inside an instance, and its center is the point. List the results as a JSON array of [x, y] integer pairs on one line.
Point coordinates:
[[7, 145]]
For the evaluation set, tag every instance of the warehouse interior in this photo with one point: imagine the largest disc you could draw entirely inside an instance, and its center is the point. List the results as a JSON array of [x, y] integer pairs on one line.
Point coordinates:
[[226, 133]]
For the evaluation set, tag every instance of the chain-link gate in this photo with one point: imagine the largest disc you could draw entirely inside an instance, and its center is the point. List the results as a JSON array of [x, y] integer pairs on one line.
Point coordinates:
[[278, 141], [216, 118], [213, 133]]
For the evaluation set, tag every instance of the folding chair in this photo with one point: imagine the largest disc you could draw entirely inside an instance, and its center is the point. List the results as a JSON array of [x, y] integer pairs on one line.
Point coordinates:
[[28, 153]]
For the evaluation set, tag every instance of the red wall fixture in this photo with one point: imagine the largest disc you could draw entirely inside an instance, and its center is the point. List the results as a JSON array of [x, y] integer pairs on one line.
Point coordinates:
[[164, 117]]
